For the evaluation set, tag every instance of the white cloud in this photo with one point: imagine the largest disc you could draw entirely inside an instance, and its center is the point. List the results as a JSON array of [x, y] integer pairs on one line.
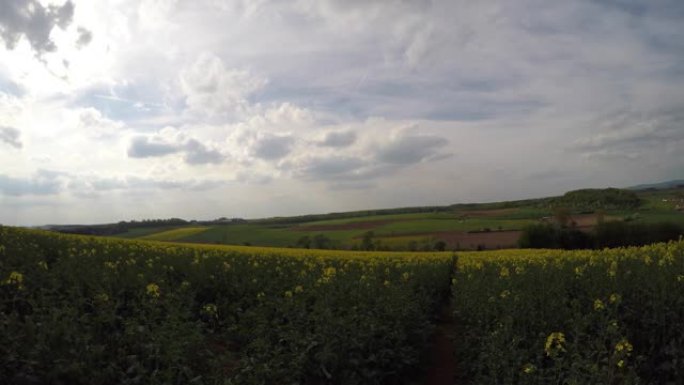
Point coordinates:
[[213, 90]]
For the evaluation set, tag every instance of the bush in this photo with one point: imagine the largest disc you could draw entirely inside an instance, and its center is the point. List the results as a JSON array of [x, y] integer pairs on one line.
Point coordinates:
[[606, 234]]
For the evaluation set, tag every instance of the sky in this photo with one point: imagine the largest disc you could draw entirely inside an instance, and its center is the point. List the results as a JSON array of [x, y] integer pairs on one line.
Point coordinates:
[[119, 109]]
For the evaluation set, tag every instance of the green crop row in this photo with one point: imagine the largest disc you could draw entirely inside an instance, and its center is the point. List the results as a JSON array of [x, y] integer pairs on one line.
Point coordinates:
[[83, 310], [614, 316]]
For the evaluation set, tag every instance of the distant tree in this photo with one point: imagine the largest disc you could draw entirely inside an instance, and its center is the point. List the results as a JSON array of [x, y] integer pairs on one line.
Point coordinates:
[[562, 216], [304, 242], [538, 236], [600, 216], [367, 241], [440, 245], [320, 241]]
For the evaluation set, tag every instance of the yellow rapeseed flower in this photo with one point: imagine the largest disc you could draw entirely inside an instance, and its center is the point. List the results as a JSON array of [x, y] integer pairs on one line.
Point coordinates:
[[210, 309], [15, 278], [554, 343], [612, 270], [598, 305], [153, 290], [624, 346]]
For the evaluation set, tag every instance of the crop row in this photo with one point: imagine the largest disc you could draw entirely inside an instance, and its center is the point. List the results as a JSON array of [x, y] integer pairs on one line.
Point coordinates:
[[614, 316], [77, 310]]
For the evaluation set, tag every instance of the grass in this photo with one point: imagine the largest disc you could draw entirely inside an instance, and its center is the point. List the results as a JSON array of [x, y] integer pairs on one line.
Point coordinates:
[[144, 231], [175, 234]]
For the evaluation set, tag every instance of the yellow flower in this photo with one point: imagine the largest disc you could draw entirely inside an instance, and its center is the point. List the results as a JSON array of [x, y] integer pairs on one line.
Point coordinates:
[[43, 265], [15, 278], [624, 346], [153, 290], [598, 305], [621, 364], [504, 272], [328, 274], [210, 309], [504, 294], [529, 368], [288, 294], [554, 343], [298, 289], [615, 298]]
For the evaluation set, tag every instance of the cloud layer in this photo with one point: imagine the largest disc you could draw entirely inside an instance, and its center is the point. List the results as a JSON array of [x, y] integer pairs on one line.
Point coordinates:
[[274, 108]]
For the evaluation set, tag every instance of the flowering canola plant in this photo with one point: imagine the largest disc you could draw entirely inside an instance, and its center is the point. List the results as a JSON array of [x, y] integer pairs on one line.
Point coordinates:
[[164, 313], [576, 317]]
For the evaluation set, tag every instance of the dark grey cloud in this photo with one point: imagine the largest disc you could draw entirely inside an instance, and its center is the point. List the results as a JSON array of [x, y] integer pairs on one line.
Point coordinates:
[[410, 149], [194, 152], [10, 135], [198, 153], [338, 186], [32, 20], [84, 37], [338, 139], [331, 168], [42, 183], [273, 147], [89, 186], [631, 134], [146, 147], [136, 183]]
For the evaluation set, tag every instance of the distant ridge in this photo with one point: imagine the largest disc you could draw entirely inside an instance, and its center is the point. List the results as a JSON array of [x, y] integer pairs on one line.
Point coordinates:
[[659, 186]]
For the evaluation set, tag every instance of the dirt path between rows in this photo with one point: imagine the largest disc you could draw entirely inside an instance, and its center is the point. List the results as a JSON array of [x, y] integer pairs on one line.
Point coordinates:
[[442, 370]]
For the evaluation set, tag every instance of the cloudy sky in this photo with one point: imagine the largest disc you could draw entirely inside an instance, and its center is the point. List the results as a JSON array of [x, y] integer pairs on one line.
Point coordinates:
[[120, 109]]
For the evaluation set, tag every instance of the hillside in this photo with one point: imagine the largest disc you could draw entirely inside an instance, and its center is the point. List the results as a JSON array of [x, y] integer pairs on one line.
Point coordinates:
[[470, 226]]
